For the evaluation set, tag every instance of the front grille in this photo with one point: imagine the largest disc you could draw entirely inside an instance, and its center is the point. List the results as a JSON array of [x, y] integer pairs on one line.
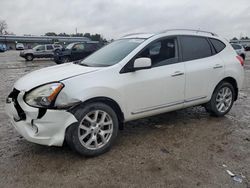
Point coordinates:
[[13, 95]]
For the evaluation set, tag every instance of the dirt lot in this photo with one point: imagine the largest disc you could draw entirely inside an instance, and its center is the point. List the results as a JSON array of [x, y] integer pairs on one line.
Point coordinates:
[[187, 148]]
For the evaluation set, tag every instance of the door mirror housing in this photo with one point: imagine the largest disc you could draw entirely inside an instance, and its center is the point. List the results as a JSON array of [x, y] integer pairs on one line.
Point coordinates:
[[142, 63]]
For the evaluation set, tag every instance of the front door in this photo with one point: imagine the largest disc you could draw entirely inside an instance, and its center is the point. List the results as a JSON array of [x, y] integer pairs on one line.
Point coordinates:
[[77, 52], [159, 88], [39, 51]]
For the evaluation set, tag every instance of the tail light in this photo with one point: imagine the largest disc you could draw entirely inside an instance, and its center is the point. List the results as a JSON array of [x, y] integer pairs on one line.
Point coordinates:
[[241, 60]]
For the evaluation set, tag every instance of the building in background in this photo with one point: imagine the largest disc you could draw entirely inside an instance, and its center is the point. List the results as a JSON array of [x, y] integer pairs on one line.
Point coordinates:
[[30, 41], [243, 42]]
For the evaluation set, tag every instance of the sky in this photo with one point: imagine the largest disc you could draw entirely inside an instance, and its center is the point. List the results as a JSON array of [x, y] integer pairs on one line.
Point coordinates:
[[115, 18]]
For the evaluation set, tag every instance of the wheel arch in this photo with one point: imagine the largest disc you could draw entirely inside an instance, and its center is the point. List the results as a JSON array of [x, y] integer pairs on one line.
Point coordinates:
[[108, 101], [232, 81], [29, 54]]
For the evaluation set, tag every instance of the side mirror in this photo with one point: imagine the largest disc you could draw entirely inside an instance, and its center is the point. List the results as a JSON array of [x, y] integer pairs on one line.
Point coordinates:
[[142, 63]]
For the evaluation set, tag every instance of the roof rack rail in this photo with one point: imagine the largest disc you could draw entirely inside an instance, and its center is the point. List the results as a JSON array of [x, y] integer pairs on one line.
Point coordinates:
[[198, 31], [132, 34]]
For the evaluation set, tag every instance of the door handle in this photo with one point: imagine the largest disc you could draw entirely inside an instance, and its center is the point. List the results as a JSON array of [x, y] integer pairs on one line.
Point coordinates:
[[218, 66], [177, 73]]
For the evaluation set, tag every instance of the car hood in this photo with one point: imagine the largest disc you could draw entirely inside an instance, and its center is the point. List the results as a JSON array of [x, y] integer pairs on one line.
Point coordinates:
[[52, 74], [27, 51]]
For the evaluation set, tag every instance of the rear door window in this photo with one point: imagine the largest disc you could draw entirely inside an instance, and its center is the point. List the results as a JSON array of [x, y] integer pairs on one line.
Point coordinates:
[[49, 47], [195, 48], [57, 46]]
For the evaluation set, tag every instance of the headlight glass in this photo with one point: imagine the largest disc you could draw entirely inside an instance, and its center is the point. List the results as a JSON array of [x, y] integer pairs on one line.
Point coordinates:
[[43, 96]]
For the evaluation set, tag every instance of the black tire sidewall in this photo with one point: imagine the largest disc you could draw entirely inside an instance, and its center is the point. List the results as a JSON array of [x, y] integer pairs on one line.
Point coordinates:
[[29, 56], [72, 133], [65, 60], [213, 107]]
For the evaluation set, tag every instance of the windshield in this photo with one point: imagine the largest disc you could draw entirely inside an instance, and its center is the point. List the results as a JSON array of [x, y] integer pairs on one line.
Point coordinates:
[[112, 53], [36, 47], [70, 46]]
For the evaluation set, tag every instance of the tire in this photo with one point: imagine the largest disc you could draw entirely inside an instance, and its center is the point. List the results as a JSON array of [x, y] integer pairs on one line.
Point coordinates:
[[57, 51], [65, 59], [222, 100], [90, 137], [243, 56], [58, 62], [29, 57]]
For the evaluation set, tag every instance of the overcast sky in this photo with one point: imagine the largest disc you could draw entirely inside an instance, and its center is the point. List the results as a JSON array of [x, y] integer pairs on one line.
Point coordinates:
[[114, 18]]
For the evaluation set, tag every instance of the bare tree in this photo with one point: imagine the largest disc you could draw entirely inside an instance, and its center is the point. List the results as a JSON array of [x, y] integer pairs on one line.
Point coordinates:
[[3, 27]]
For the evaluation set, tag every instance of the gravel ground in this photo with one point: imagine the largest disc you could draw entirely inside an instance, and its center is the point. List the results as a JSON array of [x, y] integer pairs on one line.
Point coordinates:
[[186, 148]]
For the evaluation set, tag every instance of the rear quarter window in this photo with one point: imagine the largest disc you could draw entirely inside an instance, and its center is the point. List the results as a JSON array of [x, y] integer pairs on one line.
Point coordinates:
[[217, 44]]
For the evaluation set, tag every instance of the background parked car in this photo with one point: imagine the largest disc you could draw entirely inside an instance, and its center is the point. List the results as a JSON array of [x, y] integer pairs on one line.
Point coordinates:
[[19, 46], [40, 51], [76, 51], [240, 50], [3, 47], [247, 47]]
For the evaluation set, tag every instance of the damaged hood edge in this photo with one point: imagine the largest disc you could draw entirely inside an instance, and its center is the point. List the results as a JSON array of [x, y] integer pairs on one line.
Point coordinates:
[[52, 74]]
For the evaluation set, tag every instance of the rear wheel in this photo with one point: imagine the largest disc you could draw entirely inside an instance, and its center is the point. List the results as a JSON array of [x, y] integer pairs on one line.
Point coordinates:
[[96, 131], [222, 100], [29, 57]]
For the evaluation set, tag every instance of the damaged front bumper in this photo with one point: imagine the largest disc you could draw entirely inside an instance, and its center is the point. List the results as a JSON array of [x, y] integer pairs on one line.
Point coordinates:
[[41, 126]]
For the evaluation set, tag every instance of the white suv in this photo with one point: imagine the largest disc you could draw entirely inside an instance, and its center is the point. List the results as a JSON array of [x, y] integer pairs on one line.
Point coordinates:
[[139, 75]]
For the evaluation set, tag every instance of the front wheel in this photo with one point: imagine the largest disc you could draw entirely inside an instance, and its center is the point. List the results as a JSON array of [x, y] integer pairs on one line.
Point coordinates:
[[96, 130], [29, 57], [222, 100], [65, 59]]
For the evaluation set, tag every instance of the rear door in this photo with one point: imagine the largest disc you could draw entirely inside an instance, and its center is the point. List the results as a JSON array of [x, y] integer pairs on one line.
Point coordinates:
[[204, 68]]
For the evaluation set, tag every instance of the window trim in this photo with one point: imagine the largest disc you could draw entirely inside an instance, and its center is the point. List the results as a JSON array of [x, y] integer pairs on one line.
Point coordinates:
[[129, 65], [209, 38]]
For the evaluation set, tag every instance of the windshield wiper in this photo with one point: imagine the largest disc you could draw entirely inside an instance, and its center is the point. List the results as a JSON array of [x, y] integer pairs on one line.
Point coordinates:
[[83, 64]]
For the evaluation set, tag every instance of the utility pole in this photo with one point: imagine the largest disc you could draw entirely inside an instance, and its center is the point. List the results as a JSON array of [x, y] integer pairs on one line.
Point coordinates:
[[76, 30]]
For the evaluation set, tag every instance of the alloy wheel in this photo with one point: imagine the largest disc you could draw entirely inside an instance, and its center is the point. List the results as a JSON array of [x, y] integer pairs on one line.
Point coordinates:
[[224, 99], [95, 129]]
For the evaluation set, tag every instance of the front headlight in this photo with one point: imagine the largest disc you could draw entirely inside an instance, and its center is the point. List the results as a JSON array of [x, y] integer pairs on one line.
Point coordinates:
[[43, 96]]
